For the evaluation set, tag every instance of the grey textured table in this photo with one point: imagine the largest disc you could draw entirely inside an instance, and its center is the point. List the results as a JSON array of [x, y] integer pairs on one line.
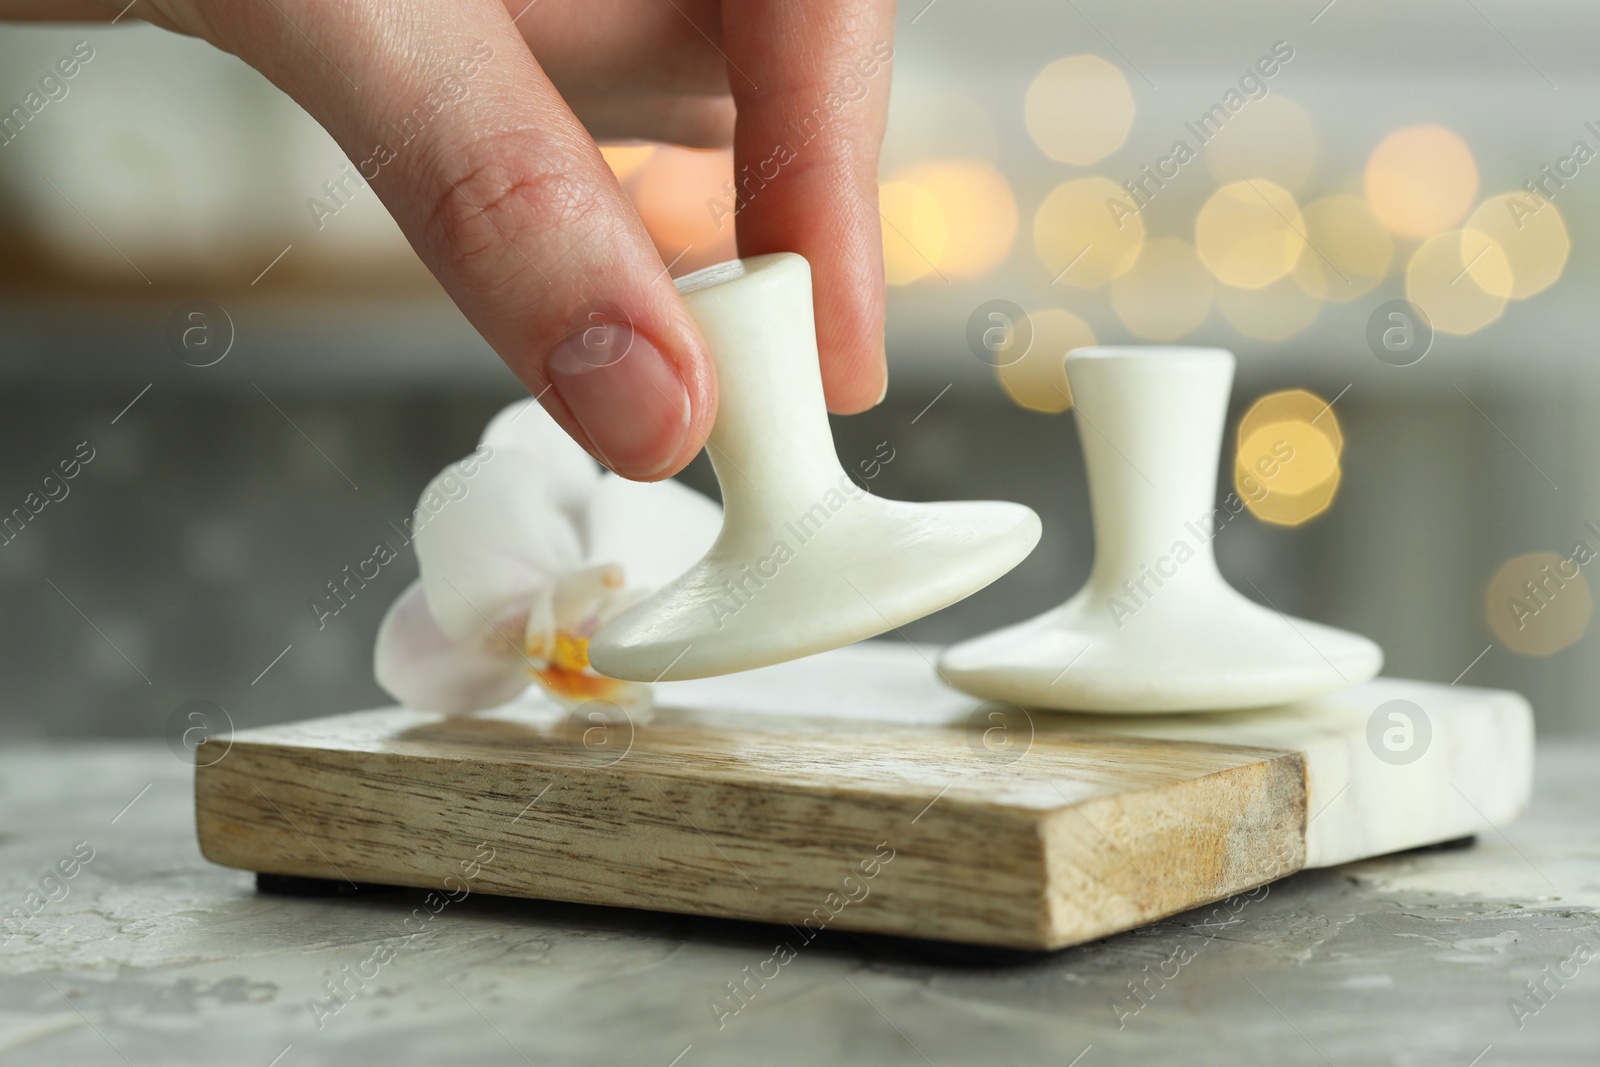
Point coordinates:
[[147, 955]]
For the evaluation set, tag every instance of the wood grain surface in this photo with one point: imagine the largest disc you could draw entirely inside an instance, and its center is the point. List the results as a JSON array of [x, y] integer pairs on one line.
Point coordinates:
[[964, 831]]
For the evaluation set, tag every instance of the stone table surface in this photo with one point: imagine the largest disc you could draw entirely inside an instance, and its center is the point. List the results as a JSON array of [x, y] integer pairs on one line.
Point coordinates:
[[148, 955]]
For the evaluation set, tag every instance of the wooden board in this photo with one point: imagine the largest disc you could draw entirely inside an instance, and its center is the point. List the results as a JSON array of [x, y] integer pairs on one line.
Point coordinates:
[[846, 791]]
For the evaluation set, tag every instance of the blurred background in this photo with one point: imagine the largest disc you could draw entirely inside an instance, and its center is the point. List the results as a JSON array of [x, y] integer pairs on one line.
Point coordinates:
[[1337, 159]]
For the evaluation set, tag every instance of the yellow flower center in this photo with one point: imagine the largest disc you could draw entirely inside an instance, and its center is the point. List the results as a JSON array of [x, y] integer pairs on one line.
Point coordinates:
[[567, 674], [571, 652]]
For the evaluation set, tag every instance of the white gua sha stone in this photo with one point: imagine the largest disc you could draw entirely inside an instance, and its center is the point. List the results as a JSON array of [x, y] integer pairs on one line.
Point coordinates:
[[806, 561], [1151, 421]]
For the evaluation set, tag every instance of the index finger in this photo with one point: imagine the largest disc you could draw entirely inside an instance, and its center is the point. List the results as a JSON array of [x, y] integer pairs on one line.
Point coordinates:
[[811, 82], [503, 194]]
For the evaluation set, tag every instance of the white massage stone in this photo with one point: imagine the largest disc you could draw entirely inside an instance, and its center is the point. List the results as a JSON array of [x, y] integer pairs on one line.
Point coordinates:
[[806, 560], [1156, 628]]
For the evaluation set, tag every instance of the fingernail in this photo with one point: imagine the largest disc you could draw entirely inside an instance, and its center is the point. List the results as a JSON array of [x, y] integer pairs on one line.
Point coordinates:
[[625, 394]]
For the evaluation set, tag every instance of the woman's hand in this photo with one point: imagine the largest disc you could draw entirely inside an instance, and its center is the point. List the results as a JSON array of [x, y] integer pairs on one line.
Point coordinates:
[[495, 178]]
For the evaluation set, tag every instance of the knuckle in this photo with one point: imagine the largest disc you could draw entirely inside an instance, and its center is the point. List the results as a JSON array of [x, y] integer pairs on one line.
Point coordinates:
[[496, 220]]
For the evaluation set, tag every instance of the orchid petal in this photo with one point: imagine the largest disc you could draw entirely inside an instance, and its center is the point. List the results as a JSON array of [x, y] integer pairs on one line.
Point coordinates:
[[490, 540], [571, 472], [422, 668], [655, 530]]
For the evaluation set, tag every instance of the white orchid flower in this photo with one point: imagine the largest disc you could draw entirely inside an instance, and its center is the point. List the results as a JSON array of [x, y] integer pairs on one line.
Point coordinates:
[[525, 548]]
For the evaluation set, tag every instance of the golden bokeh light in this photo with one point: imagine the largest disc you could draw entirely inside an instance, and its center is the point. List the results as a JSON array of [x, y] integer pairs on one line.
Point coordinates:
[[1443, 280], [1486, 262], [1166, 294], [1531, 234], [1349, 251], [1539, 603], [1421, 180], [1079, 109], [625, 160], [1250, 233], [979, 213], [1271, 139], [1285, 509], [1086, 233], [914, 231], [1286, 469], [1289, 457], [1293, 405], [1272, 313], [1038, 381], [674, 192]]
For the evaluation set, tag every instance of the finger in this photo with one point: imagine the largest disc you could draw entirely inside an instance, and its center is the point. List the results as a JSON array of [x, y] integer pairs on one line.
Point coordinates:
[[691, 121], [502, 193], [811, 82]]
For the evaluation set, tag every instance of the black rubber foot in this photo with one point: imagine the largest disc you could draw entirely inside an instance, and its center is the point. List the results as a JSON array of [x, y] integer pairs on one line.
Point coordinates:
[[293, 885]]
